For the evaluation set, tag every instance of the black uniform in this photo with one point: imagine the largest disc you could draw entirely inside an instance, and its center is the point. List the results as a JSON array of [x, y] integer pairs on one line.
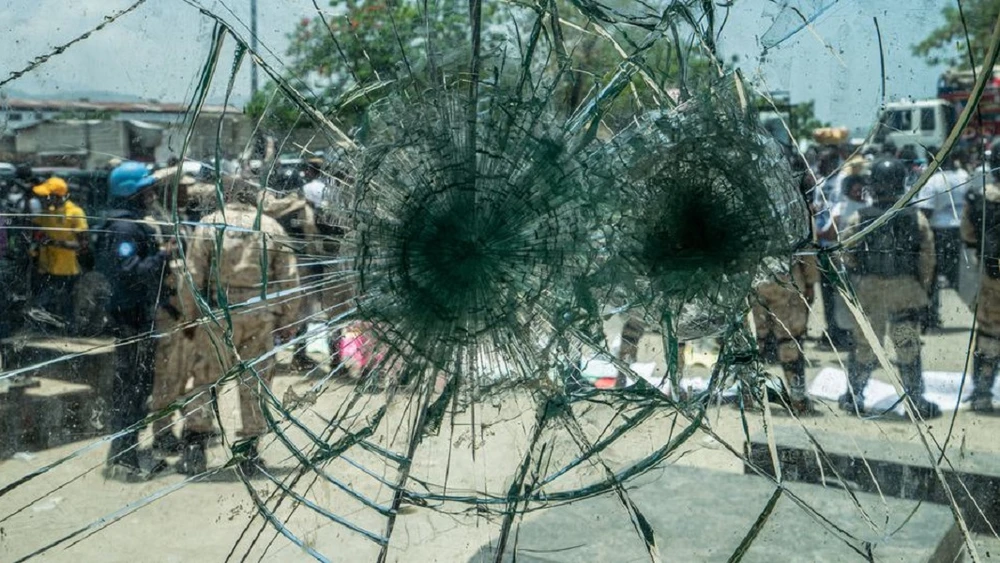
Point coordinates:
[[16, 266], [128, 255]]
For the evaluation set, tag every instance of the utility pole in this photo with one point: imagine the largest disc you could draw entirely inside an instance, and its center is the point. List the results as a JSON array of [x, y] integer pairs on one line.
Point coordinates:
[[253, 46]]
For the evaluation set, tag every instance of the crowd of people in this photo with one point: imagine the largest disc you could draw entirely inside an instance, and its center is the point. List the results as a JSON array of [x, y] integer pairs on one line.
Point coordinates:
[[43, 235], [189, 293], [893, 274], [161, 264]]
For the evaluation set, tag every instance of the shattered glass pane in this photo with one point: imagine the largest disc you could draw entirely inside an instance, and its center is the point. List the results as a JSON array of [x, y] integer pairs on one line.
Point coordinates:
[[569, 280], [792, 16]]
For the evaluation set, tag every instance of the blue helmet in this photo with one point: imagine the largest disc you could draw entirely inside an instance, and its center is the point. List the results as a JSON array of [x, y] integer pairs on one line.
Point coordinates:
[[128, 179]]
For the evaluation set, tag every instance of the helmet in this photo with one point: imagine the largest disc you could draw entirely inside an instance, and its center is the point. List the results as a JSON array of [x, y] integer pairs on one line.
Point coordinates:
[[128, 179], [23, 171], [850, 181], [888, 176], [57, 186]]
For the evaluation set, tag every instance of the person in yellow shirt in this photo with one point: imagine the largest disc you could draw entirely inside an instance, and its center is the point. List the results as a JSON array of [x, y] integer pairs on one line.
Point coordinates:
[[62, 230]]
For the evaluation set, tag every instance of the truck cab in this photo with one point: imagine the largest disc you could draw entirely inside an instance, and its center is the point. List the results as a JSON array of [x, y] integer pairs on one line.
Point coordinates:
[[924, 123]]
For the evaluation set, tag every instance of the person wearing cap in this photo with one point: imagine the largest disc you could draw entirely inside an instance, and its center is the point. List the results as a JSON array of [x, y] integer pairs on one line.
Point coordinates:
[[39, 205], [62, 234], [780, 310], [128, 254]]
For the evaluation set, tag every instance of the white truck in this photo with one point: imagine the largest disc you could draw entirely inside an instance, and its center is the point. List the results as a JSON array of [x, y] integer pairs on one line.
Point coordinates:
[[927, 123], [921, 124]]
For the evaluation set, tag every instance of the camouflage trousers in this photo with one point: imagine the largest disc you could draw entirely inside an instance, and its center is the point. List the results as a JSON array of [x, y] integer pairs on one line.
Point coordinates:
[[782, 312], [895, 304], [211, 359], [171, 374], [988, 317], [336, 290]]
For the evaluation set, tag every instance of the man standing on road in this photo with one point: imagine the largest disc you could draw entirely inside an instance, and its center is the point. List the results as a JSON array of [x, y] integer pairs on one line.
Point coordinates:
[[20, 207], [169, 377], [314, 188], [63, 234], [15, 249], [297, 217], [890, 270], [781, 309], [942, 200], [133, 262], [855, 199], [826, 196], [980, 229], [242, 271]]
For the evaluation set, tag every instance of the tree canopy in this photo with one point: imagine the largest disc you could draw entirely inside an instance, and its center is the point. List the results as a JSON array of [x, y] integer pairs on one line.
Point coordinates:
[[342, 62], [951, 42]]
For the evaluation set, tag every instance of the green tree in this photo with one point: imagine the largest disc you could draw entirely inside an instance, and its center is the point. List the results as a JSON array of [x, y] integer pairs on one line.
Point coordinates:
[[273, 111], [949, 44], [340, 63], [802, 120]]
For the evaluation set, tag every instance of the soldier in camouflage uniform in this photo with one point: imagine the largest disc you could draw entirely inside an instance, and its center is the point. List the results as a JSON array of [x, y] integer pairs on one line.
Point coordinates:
[[980, 229], [255, 309], [169, 376], [891, 271], [781, 310]]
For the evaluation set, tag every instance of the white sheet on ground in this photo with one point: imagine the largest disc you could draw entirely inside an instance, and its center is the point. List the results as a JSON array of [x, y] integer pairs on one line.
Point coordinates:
[[940, 387]]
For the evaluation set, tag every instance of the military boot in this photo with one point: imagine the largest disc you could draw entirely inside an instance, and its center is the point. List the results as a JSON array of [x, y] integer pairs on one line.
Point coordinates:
[[251, 465], [913, 385], [127, 463], [301, 361], [123, 461], [194, 459], [983, 375], [166, 443], [795, 375], [858, 374]]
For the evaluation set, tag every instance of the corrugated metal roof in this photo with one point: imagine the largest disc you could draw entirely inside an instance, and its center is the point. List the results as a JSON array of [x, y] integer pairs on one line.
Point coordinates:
[[121, 107]]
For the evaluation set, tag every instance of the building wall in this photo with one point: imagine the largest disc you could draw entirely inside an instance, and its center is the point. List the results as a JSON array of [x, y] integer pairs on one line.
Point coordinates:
[[110, 138], [15, 118], [232, 141], [103, 139], [8, 148]]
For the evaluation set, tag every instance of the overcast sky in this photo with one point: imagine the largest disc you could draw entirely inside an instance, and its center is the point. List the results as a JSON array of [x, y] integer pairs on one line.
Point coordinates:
[[157, 51]]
